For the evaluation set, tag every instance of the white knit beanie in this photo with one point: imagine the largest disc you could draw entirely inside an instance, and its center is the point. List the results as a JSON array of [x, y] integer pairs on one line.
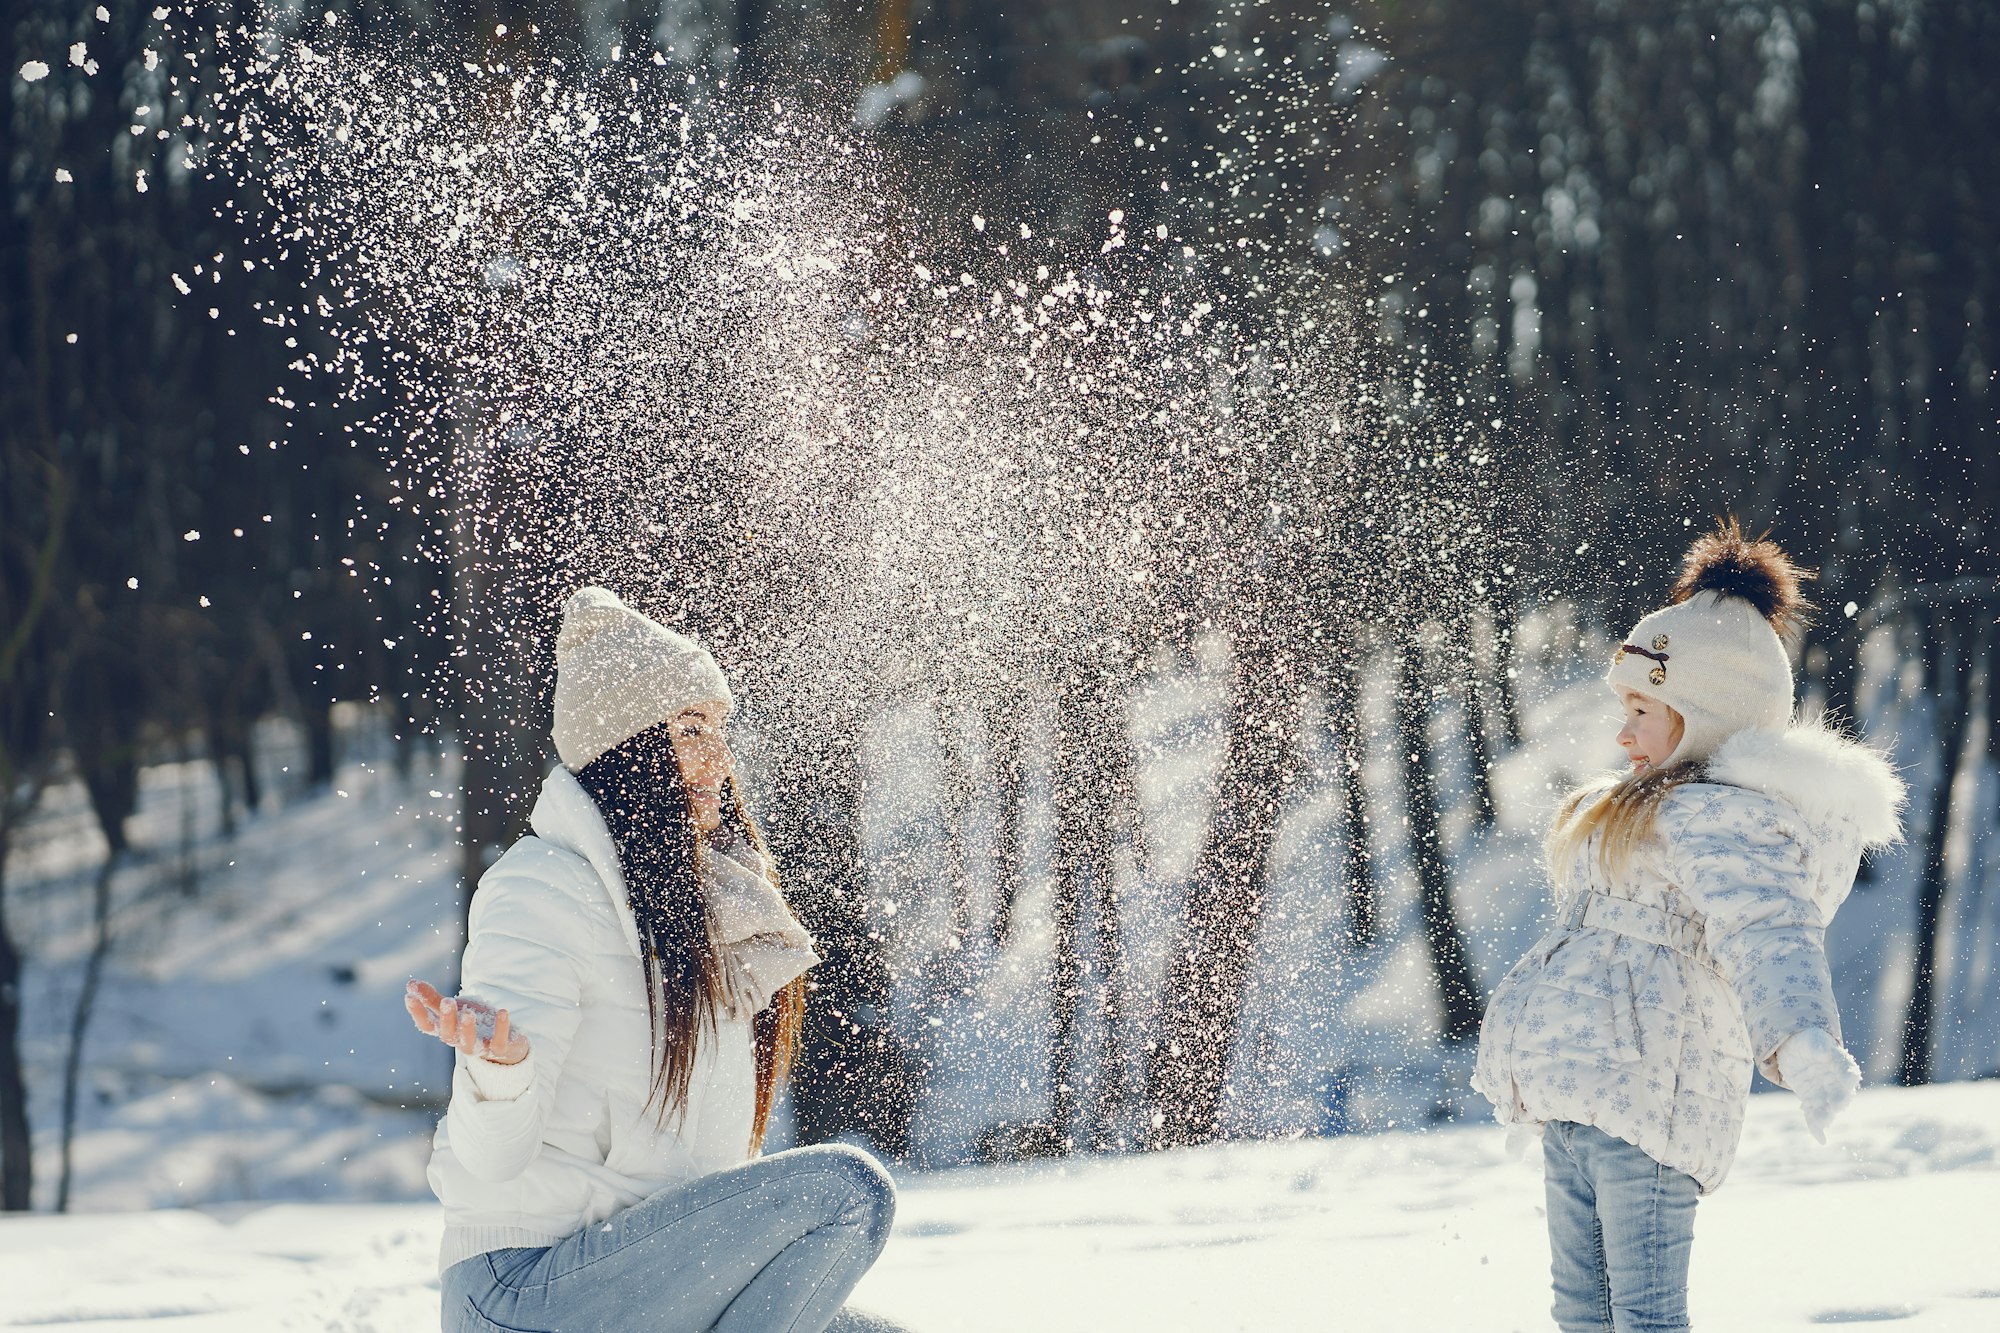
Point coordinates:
[[1716, 661], [1713, 654], [619, 673]]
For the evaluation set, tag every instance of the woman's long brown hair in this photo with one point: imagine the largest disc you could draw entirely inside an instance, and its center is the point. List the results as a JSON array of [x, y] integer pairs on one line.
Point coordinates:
[[778, 1023], [638, 790]]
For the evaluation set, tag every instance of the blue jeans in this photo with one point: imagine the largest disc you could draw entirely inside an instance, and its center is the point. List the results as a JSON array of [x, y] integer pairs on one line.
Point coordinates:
[[1621, 1226], [771, 1246]]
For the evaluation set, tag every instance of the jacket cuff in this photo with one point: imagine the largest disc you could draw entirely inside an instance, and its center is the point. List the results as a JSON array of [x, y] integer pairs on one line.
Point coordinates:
[[494, 1082]]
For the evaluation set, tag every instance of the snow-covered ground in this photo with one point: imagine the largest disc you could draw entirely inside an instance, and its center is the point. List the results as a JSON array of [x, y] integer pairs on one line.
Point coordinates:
[[256, 1110], [248, 1042], [1892, 1222]]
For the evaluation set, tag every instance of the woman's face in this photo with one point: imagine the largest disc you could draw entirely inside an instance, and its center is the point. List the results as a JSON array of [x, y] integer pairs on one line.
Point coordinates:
[[704, 758], [1651, 731]]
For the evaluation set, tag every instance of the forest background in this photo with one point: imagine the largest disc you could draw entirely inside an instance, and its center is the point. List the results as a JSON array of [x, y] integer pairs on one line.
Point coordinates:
[[1610, 270]]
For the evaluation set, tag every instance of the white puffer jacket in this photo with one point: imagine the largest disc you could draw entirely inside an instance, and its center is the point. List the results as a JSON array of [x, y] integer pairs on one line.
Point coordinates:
[[529, 1153], [1644, 1008]]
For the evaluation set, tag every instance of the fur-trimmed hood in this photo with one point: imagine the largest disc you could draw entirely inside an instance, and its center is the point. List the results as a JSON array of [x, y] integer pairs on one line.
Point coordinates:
[[1822, 774]]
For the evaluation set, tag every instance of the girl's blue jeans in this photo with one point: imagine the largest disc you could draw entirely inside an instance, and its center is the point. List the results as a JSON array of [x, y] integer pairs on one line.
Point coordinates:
[[1621, 1226], [771, 1246]]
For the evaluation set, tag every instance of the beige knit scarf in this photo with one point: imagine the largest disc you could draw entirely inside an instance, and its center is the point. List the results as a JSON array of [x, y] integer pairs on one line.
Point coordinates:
[[764, 948]]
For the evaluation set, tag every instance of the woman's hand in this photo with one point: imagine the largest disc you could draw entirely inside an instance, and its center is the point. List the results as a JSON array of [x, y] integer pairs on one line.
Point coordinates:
[[465, 1025]]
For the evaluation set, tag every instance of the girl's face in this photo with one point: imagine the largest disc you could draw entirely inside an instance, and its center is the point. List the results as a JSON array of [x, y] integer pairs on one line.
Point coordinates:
[[705, 760], [1651, 730]]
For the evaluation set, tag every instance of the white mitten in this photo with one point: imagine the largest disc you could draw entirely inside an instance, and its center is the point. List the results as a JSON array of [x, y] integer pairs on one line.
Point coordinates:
[[1822, 1073]]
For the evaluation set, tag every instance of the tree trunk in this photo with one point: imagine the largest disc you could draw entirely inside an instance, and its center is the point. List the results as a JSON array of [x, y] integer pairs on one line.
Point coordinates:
[[1505, 620], [1989, 674], [16, 1144], [1209, 969], [320, 758], [947, 978], [1343, 707], [1121, 765], [243, 747], [500, 614], [187, 870], [1010, 781], [854, 1074], [1084, 816], [109, 758], [1477, 754], [956, 804], [229, 751], [1838, 640], [86, 1005], [1441, 931], [1842, 673], [1065, 969], [1949, 668], [225, 790]]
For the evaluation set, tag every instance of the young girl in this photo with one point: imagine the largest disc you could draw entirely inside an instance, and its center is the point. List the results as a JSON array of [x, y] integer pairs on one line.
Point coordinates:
[[1694, 893], [632, 991]]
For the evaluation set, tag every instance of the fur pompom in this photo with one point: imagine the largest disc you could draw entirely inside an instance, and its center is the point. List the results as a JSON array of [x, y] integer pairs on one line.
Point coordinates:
[[1728, 562]]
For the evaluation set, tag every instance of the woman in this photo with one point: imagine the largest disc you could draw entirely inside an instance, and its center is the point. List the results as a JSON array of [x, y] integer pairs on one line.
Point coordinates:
[[631, 996]]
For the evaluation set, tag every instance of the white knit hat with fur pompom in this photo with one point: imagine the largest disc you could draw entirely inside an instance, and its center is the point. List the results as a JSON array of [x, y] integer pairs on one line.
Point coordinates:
[[619, 673], [1715, 653]]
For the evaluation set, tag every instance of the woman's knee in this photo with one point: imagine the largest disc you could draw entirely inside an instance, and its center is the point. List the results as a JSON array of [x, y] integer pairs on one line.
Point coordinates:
[[871, 1193]]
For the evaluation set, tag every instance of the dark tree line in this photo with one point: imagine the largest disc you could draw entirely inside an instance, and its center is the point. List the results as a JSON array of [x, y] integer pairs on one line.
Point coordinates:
[[167, 575]]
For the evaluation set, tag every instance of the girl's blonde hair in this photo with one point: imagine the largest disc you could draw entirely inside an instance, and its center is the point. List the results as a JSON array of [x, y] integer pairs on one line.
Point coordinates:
[[1621, 811]]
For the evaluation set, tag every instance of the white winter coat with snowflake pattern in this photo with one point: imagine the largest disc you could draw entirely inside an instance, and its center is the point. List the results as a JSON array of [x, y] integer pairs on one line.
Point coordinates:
[[1644, 1008]]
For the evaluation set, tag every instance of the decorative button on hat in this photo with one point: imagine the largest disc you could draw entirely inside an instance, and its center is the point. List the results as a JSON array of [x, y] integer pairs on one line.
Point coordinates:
[[1717, 654], [1658, 675]]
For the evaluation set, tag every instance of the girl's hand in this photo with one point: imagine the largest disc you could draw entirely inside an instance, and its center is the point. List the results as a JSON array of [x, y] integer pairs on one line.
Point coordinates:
[[1822, 1073], [464, 1025]]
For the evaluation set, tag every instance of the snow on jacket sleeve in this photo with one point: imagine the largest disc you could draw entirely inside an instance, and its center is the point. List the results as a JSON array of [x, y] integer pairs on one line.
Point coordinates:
[[515, 960], [1737, 855]]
